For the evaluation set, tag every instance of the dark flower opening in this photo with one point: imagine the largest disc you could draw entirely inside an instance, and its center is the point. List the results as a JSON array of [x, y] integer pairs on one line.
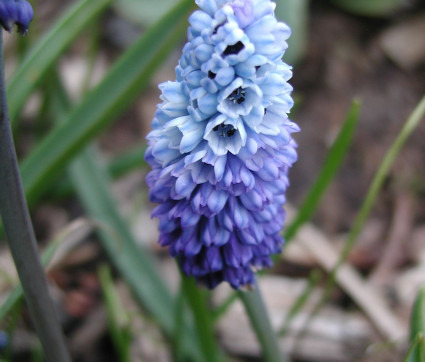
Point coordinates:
[[217, 27], [211, 75], [234, 49], [226, 130], [237, 96]]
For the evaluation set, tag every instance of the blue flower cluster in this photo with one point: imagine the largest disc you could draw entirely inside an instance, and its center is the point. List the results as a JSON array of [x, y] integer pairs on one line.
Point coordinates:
[[17, 12], [221, 144]]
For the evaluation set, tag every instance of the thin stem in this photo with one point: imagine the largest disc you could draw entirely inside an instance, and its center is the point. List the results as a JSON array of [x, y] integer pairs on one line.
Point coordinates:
[[384, 169], [21, 239], [257, 313], [203, 319]]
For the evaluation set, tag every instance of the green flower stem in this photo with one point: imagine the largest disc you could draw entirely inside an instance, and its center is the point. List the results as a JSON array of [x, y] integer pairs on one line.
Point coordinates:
[[203, 320], [21, 238], [257, 313]]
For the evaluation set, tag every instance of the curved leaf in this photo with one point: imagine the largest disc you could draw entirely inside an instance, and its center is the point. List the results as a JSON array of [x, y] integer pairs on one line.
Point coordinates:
[[104, 103], [47, 51]]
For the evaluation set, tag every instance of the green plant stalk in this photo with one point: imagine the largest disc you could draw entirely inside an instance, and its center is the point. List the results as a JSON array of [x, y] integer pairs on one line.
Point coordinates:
[[257, 313], [178, 355], [203, 320], [21, 238]]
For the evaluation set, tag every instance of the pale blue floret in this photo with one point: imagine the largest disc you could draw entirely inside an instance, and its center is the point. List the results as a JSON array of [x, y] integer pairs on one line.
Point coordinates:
[[221, 143]]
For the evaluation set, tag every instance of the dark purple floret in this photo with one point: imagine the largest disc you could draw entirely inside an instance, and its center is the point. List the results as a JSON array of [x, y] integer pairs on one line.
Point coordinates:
[[16, 12]]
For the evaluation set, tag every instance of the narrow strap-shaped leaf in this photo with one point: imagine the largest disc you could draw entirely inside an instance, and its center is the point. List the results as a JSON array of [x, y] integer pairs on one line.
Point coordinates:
[[117, 167], [47, 51], [410, 125], [118, 318], [109, 99], [203, 319], [327, 173], [91, 182], [417, 329], [371, 7], [135, 265]]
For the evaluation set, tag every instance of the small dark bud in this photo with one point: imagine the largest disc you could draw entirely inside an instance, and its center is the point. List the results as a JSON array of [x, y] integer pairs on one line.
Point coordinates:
[[16, 12]]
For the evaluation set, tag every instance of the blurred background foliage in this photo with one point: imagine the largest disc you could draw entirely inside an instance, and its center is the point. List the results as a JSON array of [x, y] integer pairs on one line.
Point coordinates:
[[82, 90]]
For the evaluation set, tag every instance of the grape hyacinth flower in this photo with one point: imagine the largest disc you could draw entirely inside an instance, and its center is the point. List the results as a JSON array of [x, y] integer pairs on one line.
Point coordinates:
[[221, 144], [17, 12]]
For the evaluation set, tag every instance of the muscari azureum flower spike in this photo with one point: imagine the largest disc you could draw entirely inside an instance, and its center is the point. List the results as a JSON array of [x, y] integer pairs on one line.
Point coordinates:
[[221, 144], [17, 12]]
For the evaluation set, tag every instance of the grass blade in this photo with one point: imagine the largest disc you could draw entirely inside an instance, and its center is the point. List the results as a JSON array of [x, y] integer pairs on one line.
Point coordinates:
[[118, 319], [415, 352], [133, 263], [136, 267], [410, 125], [102, 105], [371, 7], [47, 51], [127, 161], [328, 171], [417, 329], [119, 166], [299, 303], [412, 122], [91, 182]]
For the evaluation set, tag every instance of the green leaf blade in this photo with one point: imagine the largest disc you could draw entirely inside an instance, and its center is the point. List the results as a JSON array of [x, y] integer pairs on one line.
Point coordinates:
[[328, 171], [101, 106], [377, 8], [203, 319], [417, 329], [47, 51]]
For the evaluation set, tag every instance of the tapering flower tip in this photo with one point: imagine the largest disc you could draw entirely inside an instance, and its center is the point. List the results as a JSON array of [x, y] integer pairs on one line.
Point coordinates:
[[16, 12], [221, 143]]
